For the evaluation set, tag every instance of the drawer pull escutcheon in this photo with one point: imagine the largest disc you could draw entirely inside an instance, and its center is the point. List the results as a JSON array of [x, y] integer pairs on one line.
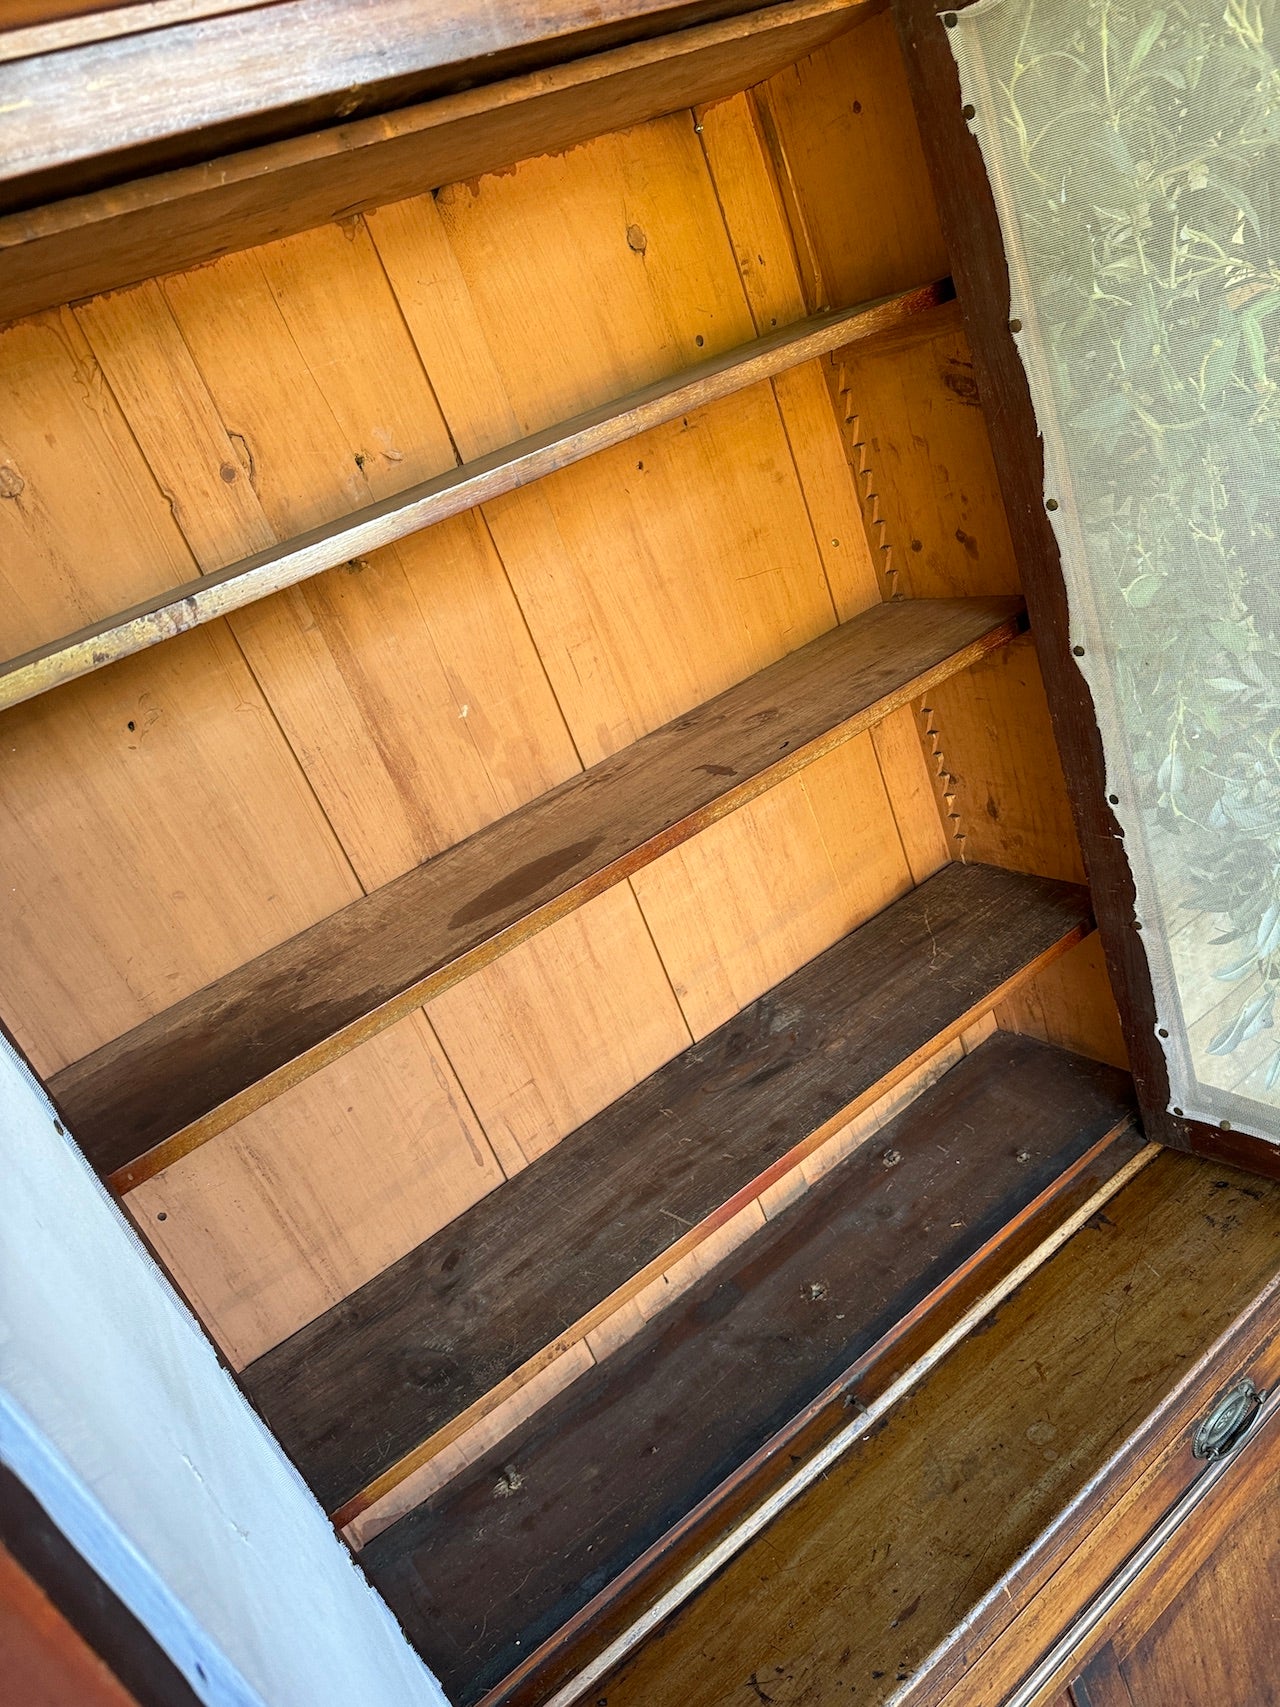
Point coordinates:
[[1228, 1422]]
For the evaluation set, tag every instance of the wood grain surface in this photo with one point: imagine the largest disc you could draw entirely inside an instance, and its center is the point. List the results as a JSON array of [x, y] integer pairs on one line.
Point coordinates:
[[856, 1584], [1200, 1629], [351, 1395], [223, 590], [140, 1102], [150, 98], [57, 250], [496, 1561]]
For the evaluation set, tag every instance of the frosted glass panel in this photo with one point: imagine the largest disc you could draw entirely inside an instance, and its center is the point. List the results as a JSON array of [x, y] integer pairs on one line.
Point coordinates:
[[1134, 154]]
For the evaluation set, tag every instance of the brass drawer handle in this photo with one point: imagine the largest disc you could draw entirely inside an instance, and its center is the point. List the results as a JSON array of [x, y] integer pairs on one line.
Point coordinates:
[[1228, 1422]]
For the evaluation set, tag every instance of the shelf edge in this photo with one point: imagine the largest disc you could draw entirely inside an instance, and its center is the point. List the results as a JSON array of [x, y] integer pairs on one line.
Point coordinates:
[[68, 1087], [179, 609]]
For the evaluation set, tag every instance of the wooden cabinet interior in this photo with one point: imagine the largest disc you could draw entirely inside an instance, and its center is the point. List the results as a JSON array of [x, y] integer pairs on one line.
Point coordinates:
[[806, 1308], [449, 494], [597, 1216], [482, 965], [152, 1096]]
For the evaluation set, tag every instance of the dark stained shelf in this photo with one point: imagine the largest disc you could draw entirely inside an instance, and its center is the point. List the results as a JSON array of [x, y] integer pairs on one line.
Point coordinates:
[[352, 1396], [171, 1083], [502, 1557]]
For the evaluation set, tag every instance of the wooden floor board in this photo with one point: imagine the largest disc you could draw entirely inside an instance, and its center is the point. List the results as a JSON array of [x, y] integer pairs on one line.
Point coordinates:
[[139, 1103], [352, 1396], [500, 1558]]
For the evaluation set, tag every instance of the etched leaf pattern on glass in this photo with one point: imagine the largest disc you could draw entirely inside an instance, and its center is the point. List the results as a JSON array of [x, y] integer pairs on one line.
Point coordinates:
[[1140, 147]]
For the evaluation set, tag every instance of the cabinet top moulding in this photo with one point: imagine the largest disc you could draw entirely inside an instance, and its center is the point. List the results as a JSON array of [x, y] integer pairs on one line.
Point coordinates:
[[59, 245], [178, 609], [176, 1080], [167, 82]]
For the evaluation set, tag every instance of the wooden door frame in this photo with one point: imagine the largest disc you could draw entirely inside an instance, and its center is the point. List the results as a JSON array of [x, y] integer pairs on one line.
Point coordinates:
[[971, 227]]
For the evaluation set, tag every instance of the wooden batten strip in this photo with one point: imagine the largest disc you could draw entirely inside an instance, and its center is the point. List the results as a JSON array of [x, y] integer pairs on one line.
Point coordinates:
[[139, 1103], [457, 489], [84, 26], [140, 93], [544, 1258], [65, 250]]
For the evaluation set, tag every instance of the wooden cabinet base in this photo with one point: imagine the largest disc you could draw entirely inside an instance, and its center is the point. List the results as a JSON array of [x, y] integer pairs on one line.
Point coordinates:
[[943, 1556]]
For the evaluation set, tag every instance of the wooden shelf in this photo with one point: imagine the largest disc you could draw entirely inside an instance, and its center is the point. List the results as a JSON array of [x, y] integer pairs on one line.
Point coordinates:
[[159, 1091], [794, 1316], [222, 591], [354, 1396]]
